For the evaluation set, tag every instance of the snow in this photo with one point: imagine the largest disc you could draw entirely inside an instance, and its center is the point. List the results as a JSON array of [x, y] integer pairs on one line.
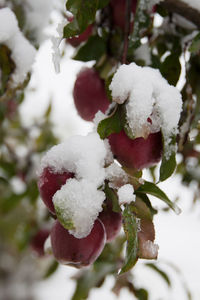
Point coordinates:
[[56, 40], [116, 176], [37, 16], [149, 250], [192, 3], [149, 96], [80, 199], [125, 194], [23, 53]]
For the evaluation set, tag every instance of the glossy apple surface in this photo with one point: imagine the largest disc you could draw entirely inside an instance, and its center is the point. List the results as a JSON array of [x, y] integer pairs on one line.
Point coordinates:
[[49, 183], [138, 153], [69, 250], [111, 220], [89, 94]]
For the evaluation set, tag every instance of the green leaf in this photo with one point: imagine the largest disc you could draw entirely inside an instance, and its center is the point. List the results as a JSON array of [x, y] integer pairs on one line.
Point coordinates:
[[111, 195], [51, 269], [195, 46], [141, 21], [130, 229], [111, 124], [103, 3], [152, 189], [92, 50], [171, 68], [168, 164], [84, 12], [160, 272], [63, 218], [141, 294]]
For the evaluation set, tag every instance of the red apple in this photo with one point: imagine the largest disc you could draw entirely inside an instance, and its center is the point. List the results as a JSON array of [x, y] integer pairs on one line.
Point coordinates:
[[38, 241], [118, 8], [69, 250], [111, 220], [138, 153], [89, 94], [49, 183]]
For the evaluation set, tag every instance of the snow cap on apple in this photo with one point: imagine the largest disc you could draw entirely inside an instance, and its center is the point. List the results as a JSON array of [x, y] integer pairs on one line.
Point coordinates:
[[79, 200], [152, 104]]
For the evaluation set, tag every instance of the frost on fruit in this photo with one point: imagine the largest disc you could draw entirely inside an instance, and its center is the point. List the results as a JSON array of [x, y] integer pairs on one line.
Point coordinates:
[[23, 53], [79, 201], [152, 104], [125, 194]]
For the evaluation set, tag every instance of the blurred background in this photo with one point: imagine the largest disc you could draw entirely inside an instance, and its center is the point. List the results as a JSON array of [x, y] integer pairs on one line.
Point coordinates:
[[40, 117]]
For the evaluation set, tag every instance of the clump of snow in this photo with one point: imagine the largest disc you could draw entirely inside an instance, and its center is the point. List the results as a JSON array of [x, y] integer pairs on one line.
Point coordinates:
[[149, 250], [47, 246], [80, 199], [116, 176], [125, 194], [99, 116], [37, 16], [23, 53], [149, 96]]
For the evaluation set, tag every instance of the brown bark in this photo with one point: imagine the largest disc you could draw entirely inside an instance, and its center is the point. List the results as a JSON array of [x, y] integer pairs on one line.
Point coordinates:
[[183, 9]]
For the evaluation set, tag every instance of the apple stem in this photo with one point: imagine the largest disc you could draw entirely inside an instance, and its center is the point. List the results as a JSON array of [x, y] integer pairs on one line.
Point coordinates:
[[126, 30]]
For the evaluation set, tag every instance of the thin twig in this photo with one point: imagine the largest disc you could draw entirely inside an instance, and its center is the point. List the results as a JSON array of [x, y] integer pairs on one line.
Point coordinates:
[[126, 30]]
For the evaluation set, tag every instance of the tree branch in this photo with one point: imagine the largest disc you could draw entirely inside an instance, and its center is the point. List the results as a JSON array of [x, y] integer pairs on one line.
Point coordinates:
[[183, 9]]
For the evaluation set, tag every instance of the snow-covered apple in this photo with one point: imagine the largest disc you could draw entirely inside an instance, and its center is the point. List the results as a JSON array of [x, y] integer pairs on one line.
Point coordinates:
[[76, 252], [89, 94], [136, 153], [49, 182], [111, 220], [38, 241]]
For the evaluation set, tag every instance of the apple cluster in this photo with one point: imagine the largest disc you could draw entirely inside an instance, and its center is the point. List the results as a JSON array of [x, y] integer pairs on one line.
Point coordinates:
[[139, 112], [59, 184]]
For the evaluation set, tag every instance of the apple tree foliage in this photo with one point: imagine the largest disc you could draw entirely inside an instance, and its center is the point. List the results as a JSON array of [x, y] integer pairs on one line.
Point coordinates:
[[174, 48]]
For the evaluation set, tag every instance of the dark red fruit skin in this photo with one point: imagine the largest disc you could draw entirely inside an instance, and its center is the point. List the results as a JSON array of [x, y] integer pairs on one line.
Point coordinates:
[[89, 94], [111, 220], [138, 153], [37, 242], [118, 8], [69, 250], [75, 41], [49, 183]]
